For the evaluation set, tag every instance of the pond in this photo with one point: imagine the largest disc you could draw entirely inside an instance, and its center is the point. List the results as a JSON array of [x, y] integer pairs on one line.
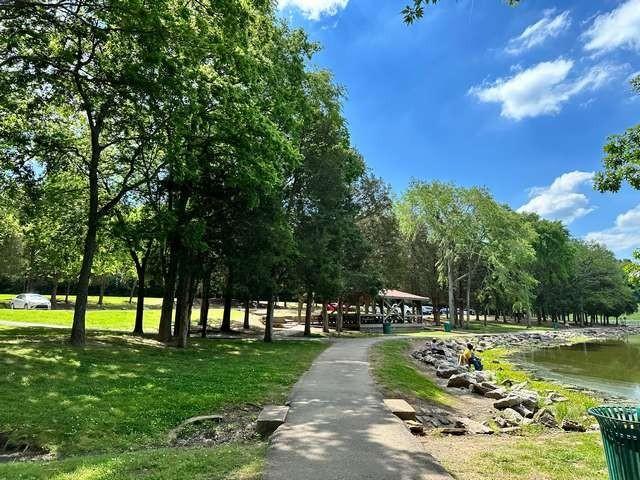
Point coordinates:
[[610, 366]]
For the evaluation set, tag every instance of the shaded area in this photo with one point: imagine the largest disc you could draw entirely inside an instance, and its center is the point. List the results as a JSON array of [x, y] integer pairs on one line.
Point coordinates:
[[236, 461], [124, 392]]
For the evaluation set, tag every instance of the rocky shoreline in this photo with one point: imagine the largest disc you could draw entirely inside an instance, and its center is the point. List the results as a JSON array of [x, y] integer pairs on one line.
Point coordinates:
[[514, 404]]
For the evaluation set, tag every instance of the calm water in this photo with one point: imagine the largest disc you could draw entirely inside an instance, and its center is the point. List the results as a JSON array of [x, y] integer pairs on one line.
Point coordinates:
[[610, 366]]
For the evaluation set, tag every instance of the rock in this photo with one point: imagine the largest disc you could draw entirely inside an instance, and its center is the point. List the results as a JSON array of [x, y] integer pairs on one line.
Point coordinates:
[[489, 385], [545, 417], [454, 431], [501, 422], [507, 402], [524, 411], [480, 377], [414, 427], [529, 399], [512, 417], [476, 428], [571, 426], [447, 370], [400, 408], [507, 382], [479, 389], [460, 380], [509, 429], [497, 394], [270, 418], [555, 397]]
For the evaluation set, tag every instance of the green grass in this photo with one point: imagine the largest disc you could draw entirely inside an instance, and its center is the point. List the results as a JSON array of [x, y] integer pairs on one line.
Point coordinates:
[[497, 360], [121, 320], [395, 372], [557, 457], [227, 462], [125, 393], [479, 328]]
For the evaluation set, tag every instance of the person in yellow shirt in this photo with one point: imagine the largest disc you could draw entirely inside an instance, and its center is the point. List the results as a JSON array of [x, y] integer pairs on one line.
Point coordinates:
[[467, 355]]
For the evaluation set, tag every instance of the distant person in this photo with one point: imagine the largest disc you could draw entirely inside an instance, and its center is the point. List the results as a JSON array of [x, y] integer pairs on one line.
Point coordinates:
[[469, 358]]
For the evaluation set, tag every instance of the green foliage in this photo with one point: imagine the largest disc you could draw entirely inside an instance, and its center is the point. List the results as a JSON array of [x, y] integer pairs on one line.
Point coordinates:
[[415, 11], [622, 157]]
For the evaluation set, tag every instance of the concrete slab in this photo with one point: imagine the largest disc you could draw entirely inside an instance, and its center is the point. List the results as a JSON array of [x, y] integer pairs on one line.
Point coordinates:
[[400, 408], [270, 418]]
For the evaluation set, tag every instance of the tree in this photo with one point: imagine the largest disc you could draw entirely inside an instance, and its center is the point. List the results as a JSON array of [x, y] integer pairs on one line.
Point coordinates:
[[622, 157], [415, 11]]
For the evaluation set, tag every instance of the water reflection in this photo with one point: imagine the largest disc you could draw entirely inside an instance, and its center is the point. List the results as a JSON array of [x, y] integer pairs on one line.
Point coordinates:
[[611, 366]]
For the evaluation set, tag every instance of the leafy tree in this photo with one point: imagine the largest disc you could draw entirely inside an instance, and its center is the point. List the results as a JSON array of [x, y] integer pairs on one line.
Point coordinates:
[[622, 157], [415, 10]]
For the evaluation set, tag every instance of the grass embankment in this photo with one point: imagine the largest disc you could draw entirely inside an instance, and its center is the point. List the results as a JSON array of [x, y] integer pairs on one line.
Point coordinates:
[[532, 454], [395, 372], [122, 393]]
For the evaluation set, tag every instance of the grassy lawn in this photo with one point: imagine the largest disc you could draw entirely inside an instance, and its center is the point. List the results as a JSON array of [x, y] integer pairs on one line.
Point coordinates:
[[395, 372], [123, 394], [108, 301], [550, 457], [121, 320], [228, 462]]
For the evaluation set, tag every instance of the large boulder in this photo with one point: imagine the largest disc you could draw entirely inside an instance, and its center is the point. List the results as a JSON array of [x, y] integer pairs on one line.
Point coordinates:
[[512, 417], [497, 394], [545, 417], [507, 402], [459, 380], [571, 426], [479, 388], [447, 370], [524, 411]]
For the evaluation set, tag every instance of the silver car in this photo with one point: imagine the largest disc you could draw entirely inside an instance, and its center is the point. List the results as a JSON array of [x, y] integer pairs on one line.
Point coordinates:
[[30, 301]]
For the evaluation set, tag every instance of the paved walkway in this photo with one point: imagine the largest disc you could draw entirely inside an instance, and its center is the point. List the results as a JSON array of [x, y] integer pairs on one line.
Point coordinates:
[[339, 429]]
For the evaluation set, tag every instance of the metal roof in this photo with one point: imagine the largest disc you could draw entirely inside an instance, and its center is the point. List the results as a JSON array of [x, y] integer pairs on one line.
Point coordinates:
[[398, 295]]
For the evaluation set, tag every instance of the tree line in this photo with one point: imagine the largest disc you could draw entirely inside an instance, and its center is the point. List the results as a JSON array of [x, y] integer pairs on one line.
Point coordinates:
[[189, 144]]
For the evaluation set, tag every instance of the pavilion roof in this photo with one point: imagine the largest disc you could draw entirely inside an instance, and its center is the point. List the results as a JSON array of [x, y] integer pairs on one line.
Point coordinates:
[[398, 295]]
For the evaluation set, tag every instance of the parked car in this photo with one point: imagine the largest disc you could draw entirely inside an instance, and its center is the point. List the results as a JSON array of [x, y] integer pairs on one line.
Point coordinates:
[[30, 301], [427, 309], [444, 310]]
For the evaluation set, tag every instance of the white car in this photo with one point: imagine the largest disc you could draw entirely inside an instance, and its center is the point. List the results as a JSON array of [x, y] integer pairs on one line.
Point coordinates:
[[30, 301], [427, 309]]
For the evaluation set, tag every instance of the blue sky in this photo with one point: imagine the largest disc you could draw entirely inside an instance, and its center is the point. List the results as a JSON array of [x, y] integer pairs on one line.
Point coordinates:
[[519, 100]]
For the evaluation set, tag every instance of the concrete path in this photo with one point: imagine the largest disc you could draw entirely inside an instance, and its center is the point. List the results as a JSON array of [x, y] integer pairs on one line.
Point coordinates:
[[339, 429]]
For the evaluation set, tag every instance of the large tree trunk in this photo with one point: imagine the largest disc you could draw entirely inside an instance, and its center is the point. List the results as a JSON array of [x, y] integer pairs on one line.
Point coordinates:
[[325, 317], [204, 305], [141, 272], [307, 315], [339, 316], [226, 315], [103, 281], [450, 281], [182, 306], [468, 299], [358, 317], [247, 305], [268, 324], [54, 294], [299, 309], [166, 313], [67, 293], [132, 291], [78, 332]]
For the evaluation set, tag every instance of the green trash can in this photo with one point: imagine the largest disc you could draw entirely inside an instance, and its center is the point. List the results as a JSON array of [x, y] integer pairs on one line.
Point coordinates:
[[620, 430], [447, 326], [386, 328]]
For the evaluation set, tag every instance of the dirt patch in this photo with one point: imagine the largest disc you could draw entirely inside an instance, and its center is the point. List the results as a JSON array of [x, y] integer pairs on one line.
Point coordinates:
[[237, 425], [12, 450]]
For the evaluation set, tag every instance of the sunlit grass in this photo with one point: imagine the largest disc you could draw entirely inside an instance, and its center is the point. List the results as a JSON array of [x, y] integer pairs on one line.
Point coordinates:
[[120, 393], [394, 371]]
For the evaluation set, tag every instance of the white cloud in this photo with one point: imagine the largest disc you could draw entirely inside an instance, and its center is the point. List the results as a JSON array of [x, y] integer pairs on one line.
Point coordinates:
[[617, 28], [314, 9], [624, 235], [541, 89], [561, 200], [549, 26]]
